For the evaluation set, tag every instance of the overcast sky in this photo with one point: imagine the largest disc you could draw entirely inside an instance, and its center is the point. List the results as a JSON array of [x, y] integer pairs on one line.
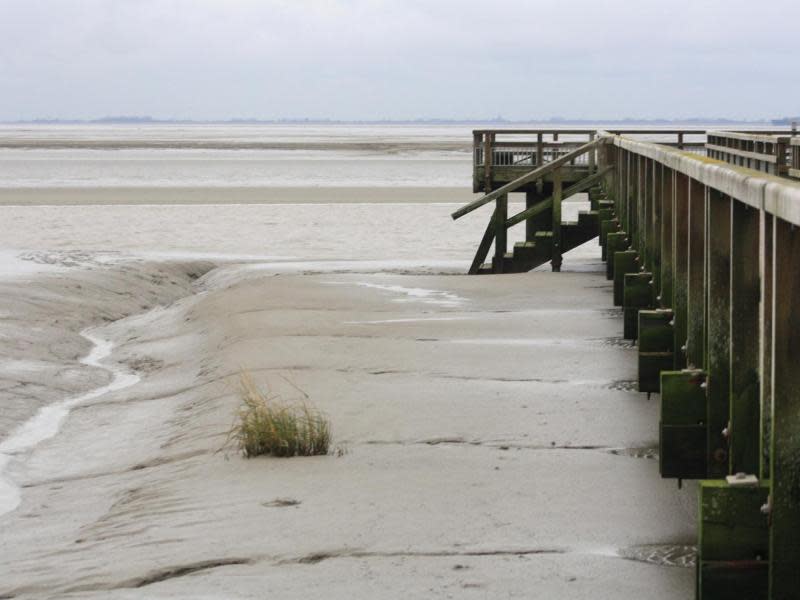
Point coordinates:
[[362, 59]]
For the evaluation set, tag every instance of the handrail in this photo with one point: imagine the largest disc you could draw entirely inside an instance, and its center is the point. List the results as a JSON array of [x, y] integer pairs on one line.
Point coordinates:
[[537, 173], [776, 195], [580, 186]]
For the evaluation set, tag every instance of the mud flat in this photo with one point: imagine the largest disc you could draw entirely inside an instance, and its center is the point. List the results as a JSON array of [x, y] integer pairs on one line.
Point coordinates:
[[492, 446], [160, 195]]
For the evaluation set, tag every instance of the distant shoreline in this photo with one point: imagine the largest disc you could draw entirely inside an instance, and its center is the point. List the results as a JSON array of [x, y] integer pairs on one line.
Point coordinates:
[[553, 122]]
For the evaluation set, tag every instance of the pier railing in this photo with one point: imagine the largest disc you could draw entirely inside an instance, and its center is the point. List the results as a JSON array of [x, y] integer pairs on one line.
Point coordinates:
[[759, 151], [510, 150], [705, 257]]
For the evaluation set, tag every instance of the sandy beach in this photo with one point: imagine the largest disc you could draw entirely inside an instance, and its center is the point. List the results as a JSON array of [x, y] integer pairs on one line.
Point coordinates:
[[471, 461], [474, 464]]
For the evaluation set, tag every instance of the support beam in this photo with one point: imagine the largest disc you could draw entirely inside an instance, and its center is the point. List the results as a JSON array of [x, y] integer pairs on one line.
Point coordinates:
[[500, 234], [657, 194], [616, 241], [682, 429], [733, 541], [744, 295], [655, 347], [696, 277], [557, 246], [785, 456], [626, 262], [680, 266], [484, 246], [719, 329], [637, 295], [765, 337], [667, 213]]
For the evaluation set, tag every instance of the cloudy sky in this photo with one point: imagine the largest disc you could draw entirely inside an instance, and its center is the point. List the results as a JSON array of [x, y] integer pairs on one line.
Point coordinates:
[[397, 59]]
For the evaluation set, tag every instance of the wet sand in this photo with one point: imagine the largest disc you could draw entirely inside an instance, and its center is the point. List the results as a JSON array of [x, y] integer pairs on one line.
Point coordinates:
[[69, 196], [493, 444]]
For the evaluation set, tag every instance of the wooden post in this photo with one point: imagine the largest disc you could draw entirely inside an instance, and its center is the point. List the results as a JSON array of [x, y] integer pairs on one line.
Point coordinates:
[[656, 195], [696, 292], [667, 214], [592, 160], [539, 149], [781, 168], [501, 233], [620, 182], [680, 264], [638, 206], [765, 337], [784, 552], [745, 289], [488, 140], [680, 141], [645, 198], [629, 196], [719, 329], [557, 192]]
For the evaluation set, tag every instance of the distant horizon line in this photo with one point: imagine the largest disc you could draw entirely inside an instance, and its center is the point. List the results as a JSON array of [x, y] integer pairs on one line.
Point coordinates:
[[144, 120]]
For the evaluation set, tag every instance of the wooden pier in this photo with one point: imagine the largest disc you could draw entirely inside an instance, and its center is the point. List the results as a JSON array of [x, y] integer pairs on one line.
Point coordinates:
[[700, 234]]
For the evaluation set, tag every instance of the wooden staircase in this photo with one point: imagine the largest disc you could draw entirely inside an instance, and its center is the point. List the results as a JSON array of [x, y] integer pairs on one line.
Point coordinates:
[[531, 254], [547, 236]]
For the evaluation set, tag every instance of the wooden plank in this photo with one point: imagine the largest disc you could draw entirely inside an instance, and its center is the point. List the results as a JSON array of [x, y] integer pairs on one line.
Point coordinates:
[[744, 383], [770, 158], [680, 264], [658, 173], [540, 206], [537, 173], [664, 298], [488, 139], [500, 234], [484, 246], [719, 329], [784, 549], [696, 290], [765, 338], [766, 137], [534, 144], [535, 131]]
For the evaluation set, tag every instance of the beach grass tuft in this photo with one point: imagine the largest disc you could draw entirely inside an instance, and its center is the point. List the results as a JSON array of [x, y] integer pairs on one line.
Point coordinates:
[[268, 425]]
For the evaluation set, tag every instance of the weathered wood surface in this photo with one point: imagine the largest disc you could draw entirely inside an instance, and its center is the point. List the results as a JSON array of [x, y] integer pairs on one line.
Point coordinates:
[[542, 205], [533, 175]]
